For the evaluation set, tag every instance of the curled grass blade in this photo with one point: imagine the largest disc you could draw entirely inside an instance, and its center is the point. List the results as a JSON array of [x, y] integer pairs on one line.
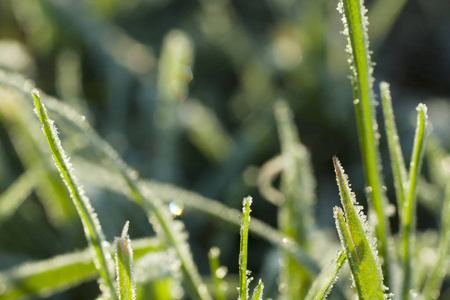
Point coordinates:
[[124, 266], [49, 276], [409, 206], [217, 272], [243, 249], [323, 284], [356, 239], [91, 225], [395, 151], [355, 30]]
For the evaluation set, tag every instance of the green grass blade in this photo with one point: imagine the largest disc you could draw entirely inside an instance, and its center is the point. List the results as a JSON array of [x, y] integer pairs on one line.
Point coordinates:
[[433, 285], [355, 30], [357, 242], [61, 272], [124, 266], [217, 272], [17, 192], [258, 292], [91, 225], [243, 248], [324, 282], [408, 216], [295, 214], [395, 151]]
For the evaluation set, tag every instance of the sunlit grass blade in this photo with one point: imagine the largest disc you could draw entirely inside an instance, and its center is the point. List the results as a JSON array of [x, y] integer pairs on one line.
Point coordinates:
[[258, 292], [17, 192], [356, 239], [323, 284], [395, 151], [217, 273], [124, 266], [433, 285], [60, 273], [355, 30], [162, 220], [409, 206], [92, 228], [243, 249], [297, 186]]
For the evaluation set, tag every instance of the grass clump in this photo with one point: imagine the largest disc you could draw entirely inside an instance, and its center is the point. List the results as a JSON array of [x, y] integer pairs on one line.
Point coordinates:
[[163, 266]]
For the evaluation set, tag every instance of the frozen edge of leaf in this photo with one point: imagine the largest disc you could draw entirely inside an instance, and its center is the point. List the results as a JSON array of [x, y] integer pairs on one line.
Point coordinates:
[[91, 224], [126, 286], [243, 249], [360, 230]]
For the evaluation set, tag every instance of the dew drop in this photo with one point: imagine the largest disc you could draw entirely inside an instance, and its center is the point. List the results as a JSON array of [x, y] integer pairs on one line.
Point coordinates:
[[413, 293], [221, 272], [175, 208], [368, 189], [282, 288], [356, 101]]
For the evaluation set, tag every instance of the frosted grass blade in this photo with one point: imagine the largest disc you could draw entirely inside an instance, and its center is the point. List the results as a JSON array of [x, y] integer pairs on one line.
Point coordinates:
[[217, 273], [91, 225], [295, 214], [124, 266], [323, 284], [355, 30], [243, 249], [167, 192], [258, 292], [356, 239], [395, 151], [18, 192], [61, 272], [409, 206]]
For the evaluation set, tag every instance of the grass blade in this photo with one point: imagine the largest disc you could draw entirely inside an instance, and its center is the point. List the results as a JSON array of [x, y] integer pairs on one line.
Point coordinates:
[[433, 285], [324, 282], [124, 266], [18, 192], [357, 242], [217, 272], [409, 206], [61, 272], [91, 225], [243, 254], [395, 151], [355, 30], [295, 214], [258, 292]]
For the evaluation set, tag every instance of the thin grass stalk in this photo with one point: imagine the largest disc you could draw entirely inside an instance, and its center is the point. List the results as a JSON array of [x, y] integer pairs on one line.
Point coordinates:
[[323, 284], [243, 249], [409, 209], [91, 224], [395, 151], [217, 273], [355, 30]]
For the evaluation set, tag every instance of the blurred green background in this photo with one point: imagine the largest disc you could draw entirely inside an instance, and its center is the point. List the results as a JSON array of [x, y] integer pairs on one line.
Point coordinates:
[[184, 91]]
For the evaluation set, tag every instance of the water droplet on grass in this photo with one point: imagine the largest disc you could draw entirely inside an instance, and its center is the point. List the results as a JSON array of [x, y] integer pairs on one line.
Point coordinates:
[[175, 208]]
